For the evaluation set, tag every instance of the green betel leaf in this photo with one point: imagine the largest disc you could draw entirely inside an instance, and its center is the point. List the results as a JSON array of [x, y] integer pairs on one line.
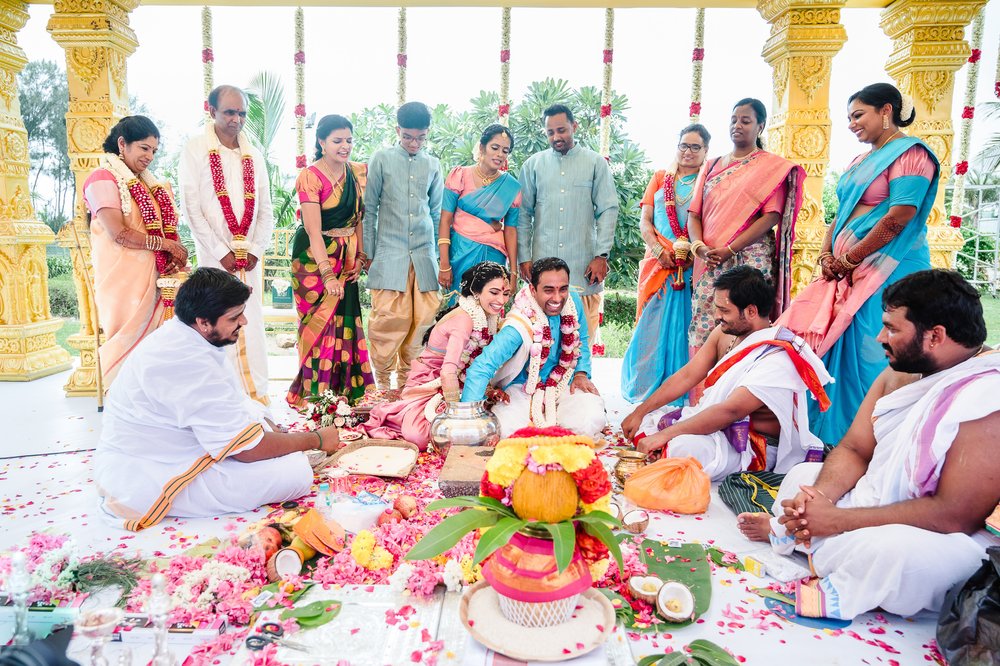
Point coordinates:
[[469, 501], [598, 517], [448, 532], [607, 537], [563, 542], [497, 537], [710, 654], [315, 609]]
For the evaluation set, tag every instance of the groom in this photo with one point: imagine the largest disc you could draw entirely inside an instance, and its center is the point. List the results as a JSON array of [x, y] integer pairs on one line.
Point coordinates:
[[541, 358]]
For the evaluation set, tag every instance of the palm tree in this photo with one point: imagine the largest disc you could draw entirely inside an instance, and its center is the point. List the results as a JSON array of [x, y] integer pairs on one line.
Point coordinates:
[[265, 115]]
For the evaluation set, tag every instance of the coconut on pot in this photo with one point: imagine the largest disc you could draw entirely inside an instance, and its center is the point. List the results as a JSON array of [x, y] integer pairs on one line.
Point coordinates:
[[635, 521]]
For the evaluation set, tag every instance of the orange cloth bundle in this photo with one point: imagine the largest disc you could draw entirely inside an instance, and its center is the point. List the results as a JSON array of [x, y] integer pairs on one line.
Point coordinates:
[[670, 484]]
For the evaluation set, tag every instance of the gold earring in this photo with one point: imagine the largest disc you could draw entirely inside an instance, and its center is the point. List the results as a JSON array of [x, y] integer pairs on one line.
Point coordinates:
[[885, 122]]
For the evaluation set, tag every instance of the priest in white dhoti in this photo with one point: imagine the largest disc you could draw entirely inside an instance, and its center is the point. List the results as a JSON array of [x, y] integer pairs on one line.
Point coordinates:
[[540, 359], [754, 412], [180, 437], [895, 516], [227, 202]]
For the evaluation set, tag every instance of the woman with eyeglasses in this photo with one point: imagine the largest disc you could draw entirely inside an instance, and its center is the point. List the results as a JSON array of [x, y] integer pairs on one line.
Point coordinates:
[[878, 237], [327, 258], [743, 212], [659, 347]]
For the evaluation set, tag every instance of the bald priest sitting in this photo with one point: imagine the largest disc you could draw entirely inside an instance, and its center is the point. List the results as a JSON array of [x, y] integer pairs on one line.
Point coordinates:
[[181, 437], [754, 414]]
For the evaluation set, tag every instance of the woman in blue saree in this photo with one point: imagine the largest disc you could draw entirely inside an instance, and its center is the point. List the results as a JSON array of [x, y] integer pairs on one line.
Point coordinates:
[[479, 210], [878, 237], [659, 343]]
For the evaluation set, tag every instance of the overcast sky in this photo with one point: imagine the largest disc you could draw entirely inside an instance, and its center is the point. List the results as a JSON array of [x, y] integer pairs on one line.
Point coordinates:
[[453, 54]]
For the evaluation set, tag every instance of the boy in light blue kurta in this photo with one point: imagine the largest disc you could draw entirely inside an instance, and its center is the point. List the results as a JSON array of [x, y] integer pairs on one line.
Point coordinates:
[[402, 212], [511, 361], [569, 209]]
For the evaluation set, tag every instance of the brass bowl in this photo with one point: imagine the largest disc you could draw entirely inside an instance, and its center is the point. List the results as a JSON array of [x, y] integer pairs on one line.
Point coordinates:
[[629, 462]]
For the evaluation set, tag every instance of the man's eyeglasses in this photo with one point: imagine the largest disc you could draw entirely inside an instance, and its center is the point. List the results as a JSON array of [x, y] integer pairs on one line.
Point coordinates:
[[413, 139], [693, 147]]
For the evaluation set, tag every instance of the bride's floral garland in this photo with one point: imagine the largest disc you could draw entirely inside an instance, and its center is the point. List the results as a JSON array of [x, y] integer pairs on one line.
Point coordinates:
[[543, 403], [484, 327], [240, 228], [131, 189]]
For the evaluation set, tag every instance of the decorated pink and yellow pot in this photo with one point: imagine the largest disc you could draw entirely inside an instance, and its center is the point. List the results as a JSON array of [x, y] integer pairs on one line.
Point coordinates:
[[532, 591]]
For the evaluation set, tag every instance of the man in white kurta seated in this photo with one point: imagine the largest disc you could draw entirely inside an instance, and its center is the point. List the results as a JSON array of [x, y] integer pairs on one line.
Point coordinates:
[[754, 413], [540, 359], [180, 436], [895, 516]]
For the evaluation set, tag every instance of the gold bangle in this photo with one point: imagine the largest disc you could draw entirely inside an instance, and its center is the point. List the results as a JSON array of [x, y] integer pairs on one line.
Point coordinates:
[[445, 270], [730, 248], [444, 241], [697, 245]]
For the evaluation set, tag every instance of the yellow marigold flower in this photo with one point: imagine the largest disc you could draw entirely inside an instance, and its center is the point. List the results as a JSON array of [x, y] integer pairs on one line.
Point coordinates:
[[572, 457], [603, 504], [470, 574], [598, 569], [362, 547], [381, 559], [507, 464]]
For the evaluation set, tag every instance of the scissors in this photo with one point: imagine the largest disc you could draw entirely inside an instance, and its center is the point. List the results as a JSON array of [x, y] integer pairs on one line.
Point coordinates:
[[272, 632]]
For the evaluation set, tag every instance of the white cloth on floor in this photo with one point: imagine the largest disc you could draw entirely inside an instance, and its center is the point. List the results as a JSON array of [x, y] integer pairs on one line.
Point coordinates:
[[581, 412], [769, 374], [173, 417], [901, 568], [213, 240]]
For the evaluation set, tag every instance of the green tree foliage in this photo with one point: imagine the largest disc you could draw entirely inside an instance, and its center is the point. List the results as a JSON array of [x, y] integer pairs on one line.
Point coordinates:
[[44, 98], [265, 113], [453, 137]]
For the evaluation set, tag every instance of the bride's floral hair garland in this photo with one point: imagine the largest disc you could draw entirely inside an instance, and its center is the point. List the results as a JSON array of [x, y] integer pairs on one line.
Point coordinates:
[[968, 113]]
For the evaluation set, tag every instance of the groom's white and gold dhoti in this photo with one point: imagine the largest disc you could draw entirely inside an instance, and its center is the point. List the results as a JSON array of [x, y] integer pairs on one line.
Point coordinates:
[[900, 568], [779, 369], [538, 388]]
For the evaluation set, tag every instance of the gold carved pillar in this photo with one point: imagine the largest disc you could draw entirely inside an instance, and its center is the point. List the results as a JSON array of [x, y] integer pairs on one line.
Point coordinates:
[[28, 348], [98, 40], [928, 39], [805, 35]]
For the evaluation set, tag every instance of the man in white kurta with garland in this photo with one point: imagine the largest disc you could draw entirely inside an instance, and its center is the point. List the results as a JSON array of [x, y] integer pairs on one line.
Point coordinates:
[[895, 516], [540, 359], [754, 413], [227, 201], [180, 437]]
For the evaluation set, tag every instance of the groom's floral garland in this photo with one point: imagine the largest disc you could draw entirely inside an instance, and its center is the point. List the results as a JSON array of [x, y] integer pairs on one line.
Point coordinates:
[[131, 189], [543, 403], [238, 228], [484, 327]]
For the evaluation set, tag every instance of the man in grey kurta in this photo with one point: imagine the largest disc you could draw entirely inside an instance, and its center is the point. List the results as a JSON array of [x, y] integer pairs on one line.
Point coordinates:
[[402, 211], [569, 208]]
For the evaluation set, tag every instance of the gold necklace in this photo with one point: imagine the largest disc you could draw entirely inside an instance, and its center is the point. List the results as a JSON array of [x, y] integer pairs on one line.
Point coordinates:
[[484, 178], [875, 150], [678, 199]]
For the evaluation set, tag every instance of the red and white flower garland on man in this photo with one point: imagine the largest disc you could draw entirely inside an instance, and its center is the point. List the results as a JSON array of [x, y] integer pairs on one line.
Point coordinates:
[[544, 401], [238, 228], [162, 224]]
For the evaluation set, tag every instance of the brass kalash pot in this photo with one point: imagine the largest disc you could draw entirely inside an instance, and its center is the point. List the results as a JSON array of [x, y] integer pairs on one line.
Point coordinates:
[[629, 462], [465, 435]]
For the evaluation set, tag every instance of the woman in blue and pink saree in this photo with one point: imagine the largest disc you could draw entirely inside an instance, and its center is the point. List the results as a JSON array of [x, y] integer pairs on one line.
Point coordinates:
[[879, 236], [479, 211]]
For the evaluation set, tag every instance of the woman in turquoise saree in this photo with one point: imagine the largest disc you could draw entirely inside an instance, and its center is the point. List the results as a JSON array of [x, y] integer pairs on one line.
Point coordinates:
[[879, 236], [659, 346], [479, 211], [327, 257]]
